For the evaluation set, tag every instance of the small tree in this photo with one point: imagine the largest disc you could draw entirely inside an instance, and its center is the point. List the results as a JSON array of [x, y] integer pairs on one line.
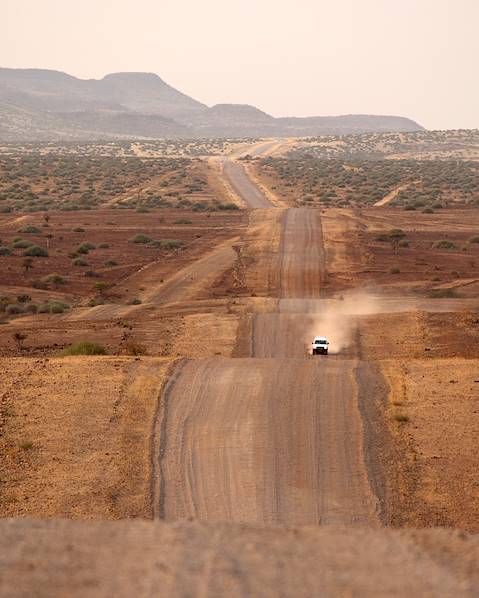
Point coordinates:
[[19, 337], [27, 264]]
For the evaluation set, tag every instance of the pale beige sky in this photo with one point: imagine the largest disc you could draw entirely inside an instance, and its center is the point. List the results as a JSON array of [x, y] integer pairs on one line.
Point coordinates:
[[416, 58]]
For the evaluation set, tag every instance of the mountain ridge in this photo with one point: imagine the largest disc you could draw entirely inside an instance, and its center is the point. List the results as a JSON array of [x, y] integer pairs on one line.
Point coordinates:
[[49, 105]]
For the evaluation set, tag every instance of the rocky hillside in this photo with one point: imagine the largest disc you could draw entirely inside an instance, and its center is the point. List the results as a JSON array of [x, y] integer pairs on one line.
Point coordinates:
[[44, 105]]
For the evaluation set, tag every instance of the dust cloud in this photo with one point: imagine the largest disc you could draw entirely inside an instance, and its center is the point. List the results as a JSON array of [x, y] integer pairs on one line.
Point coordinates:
[[335, 319]]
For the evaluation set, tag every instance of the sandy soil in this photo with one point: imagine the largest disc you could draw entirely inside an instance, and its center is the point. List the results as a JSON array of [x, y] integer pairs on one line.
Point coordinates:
[[78, 450]]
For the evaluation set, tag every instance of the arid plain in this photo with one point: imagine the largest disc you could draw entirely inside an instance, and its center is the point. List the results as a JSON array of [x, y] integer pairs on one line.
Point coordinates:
[[204, 276]]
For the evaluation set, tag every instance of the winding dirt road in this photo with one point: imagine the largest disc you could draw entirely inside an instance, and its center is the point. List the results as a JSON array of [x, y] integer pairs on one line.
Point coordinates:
[[275, 438]]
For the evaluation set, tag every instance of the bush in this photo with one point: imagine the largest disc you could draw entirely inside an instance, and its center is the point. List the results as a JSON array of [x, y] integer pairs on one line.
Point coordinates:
[[395, 271], [171, 244], [14, 309], [141, 238], [36, 251], [54, 279], [111, 263], [103, 246], [5, 251], [78, 229], [135, 301], [444, 244], [52, 307], [96, 301], [443, 294], [133, 348], [83, 348], [85, 247], [79, 261], [21, 244], [474, 239], [33, 230], [396, 233], [227, 206], [182, 221]]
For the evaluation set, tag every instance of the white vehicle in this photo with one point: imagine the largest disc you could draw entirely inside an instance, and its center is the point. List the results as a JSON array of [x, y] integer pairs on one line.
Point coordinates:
[[320, 345]]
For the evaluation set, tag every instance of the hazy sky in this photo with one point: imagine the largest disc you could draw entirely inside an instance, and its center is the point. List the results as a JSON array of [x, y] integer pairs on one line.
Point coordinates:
[[416, 58]]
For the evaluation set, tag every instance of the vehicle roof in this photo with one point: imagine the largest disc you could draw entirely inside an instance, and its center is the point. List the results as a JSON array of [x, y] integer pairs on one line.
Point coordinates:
[[320, 338]]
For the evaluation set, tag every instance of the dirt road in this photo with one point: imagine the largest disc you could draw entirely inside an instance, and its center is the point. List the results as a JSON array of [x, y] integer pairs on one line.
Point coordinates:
[[94, 559], [274, 440], [243, 186]]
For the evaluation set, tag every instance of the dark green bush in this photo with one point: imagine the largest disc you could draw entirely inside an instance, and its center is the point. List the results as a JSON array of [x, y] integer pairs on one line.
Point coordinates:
[[36, 251], [83, 348]]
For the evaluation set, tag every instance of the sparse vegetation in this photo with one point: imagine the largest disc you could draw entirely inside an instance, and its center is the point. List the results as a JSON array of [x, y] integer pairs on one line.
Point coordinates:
[[83, 348]]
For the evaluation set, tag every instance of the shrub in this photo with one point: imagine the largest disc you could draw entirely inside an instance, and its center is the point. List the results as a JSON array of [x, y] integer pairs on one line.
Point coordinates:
[[52, 307], [57, 307], [92, 274], [228, 206], [23, 298], [397, 233], [444, 244], [14, 309], [401, 418], [27, 445], [83, 348], [79, 261], [36, 251], [395, 271], [32, 308], [85, 247], [103, 246], [404, 243], [182, 221], [141, 238], [133, 348], [55, 279], [171, 244], [443, 294], [383, 238], [29, 230], [5, 251], [474, 239], [21, 244], [111, 263], [428, 211], [135, 301], [96, 301], [78, 229]]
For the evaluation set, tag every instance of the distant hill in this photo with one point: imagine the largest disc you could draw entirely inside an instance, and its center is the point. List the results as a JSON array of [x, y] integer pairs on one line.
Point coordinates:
[[44, 105]]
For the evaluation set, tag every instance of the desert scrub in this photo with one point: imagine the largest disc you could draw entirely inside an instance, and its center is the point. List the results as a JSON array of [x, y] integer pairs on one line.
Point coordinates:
[[52, 307], [32, 230], [141, 238], [79, 261], [21, 244], [85, 248], [83, 348], [168, 244], [36, 251], [444, 244]]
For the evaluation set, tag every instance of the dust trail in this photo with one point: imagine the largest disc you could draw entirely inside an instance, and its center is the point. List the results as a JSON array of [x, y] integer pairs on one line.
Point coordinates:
[[335, 319]]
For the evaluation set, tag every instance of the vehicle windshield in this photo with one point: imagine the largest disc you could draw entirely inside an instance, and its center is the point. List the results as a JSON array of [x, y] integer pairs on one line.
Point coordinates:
[[321, 342]]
